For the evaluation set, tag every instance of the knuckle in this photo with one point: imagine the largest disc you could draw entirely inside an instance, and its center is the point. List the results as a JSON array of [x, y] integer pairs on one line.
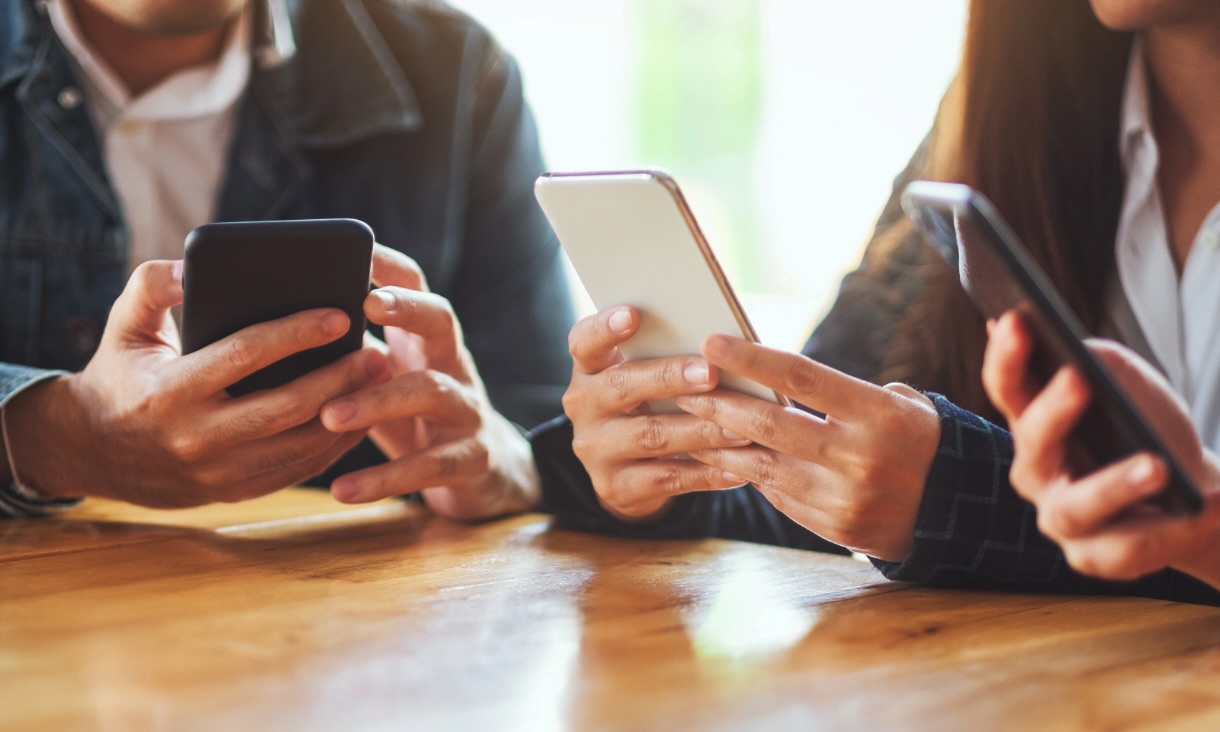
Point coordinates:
[[672, 374], [861, 468], [296, 408], [304, 334], [764, 466], [1022, 434], [762, 425], [1021, 477], [651, 434], [448, 317], [710, 433], [801, 377], [187, 447], [669, 481], [239, 354], [618, 383], [576, 338], [1084, 562], [1047, 525], [572, 401], [440, 465], [776, 498], [584, 448]]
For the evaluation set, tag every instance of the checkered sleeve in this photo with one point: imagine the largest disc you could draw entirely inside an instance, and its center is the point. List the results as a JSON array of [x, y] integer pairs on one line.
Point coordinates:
[[973, 530]]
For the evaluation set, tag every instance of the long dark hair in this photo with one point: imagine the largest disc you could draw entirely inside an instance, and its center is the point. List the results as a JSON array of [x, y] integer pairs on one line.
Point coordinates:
[[1032, 121]]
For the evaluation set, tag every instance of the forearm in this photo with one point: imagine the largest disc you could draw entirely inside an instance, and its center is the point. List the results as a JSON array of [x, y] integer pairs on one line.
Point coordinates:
[[40, 438]]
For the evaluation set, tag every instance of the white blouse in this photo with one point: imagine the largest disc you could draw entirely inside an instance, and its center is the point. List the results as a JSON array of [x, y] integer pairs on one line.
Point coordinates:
[[1172, 321]]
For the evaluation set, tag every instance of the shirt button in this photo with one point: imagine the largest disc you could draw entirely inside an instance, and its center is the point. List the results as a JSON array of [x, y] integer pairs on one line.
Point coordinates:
[[127, 127], [70, 97]]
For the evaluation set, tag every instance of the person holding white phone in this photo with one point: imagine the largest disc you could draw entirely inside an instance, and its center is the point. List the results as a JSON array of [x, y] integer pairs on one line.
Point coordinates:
[[1052, 117]]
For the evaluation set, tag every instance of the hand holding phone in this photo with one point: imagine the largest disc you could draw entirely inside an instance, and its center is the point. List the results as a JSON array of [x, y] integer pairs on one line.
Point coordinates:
[[999, 275], [243, 273]]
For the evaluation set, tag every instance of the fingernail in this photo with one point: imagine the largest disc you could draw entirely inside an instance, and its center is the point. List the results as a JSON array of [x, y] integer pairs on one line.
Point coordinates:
[[1142, 472], [732, 436], [695, 373], [334, 323], [176, 272], [684, 402], [341, 411], [345, 490], [388, 301], [732, 477], [620, 321]]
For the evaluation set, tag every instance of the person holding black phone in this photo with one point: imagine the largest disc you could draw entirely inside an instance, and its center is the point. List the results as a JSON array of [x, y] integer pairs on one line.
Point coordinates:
[[1091, 126], [124, 125], [1100, 518]]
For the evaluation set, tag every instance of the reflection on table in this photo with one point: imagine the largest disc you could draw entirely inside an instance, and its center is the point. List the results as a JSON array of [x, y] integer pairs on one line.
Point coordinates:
[[294, 612]]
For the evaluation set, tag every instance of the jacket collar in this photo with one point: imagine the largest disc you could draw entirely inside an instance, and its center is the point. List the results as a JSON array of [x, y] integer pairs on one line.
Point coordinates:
[[20, 31], [341, 83]]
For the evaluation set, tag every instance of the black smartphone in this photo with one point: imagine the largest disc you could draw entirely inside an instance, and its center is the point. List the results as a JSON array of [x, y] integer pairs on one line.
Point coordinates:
[[242, 273], [999, 275]]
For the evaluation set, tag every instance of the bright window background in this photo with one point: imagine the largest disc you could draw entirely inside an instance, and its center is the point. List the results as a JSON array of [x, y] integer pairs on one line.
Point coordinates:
[[784, 121]]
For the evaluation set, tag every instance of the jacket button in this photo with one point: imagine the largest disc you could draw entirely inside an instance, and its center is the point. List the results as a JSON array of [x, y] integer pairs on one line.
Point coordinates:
[[70, 97]]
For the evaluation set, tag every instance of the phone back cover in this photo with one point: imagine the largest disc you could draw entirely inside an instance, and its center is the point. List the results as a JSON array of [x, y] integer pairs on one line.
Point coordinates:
[[243, 273], [630, 243]]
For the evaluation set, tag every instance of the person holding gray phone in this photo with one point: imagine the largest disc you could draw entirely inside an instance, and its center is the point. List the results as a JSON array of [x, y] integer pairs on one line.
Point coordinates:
[[898, 453], [124, 125]]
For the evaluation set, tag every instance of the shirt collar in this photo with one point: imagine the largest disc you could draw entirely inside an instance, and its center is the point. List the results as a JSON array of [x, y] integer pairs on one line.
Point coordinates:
[[274, 43], [1136, 126]]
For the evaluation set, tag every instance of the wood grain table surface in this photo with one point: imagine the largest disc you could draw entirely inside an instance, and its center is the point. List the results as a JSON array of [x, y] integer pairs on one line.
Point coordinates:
[[293, 612]]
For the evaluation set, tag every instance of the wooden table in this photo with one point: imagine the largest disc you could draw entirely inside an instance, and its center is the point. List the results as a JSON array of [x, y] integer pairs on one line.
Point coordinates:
[[293, 612]]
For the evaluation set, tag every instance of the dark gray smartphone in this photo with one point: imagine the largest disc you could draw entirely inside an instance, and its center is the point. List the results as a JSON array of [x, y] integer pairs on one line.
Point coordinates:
[[999, 275], [242, 273]]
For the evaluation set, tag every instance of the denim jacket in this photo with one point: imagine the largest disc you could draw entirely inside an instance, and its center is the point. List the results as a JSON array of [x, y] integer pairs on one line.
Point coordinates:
[[405, 115]]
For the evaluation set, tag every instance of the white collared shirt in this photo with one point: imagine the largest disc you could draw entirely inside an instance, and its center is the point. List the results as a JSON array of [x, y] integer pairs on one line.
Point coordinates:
[[166, 150], [1172, 321]]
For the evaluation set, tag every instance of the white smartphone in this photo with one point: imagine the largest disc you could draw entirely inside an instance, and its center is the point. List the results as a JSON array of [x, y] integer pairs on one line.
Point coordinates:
[[633, 241]]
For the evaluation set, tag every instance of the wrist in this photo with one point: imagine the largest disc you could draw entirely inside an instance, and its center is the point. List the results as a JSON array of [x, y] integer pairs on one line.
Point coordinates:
[[40, 439], [518, 474]]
